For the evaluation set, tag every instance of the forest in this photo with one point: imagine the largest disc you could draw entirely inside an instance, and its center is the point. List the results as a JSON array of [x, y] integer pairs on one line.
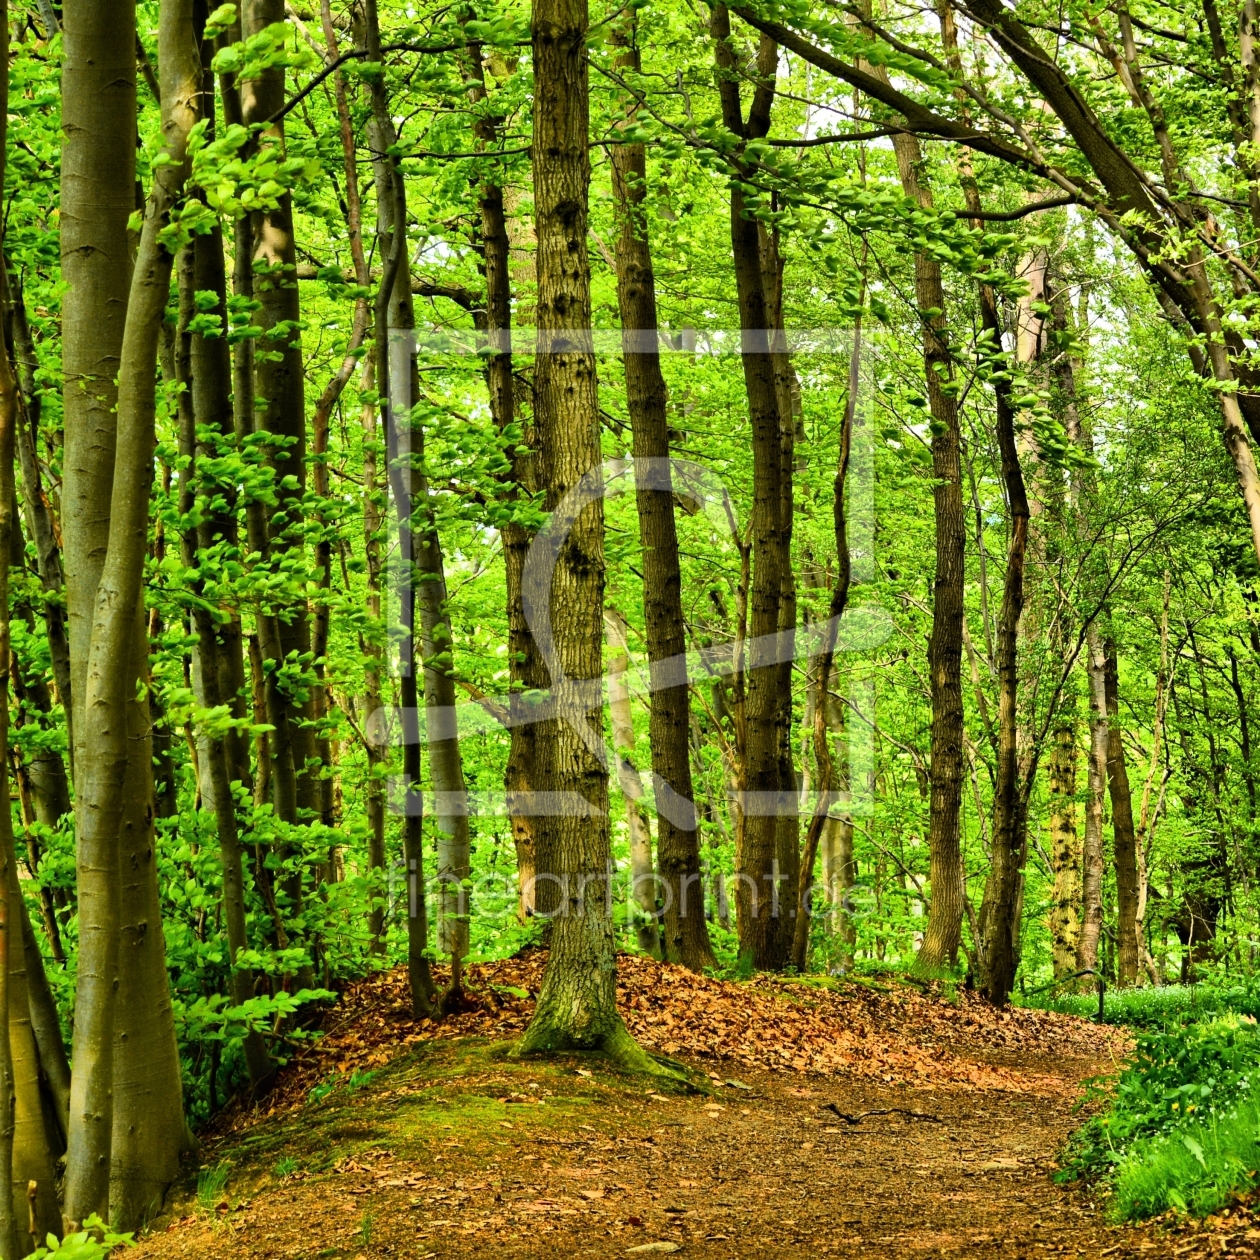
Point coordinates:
[[636, 535]]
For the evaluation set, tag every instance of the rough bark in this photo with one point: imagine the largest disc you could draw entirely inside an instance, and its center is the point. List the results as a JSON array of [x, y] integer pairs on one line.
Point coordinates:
[[943, 934], [686, 936], [577, 1005], [999, 913], [756, 896]]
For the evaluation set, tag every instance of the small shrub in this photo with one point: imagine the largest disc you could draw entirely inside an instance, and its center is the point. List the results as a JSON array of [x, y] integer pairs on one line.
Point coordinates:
[[93, 1242]]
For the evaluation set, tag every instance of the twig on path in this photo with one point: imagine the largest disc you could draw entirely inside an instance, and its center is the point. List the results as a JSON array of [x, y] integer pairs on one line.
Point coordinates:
[[881, 1111]]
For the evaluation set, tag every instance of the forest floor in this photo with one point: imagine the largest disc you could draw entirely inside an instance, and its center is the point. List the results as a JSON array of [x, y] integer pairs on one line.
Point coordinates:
[[826, 1118]]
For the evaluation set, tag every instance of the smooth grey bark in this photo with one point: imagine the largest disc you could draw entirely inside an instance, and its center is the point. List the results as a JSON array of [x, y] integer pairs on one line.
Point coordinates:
[[97, 197], [113, 1167]]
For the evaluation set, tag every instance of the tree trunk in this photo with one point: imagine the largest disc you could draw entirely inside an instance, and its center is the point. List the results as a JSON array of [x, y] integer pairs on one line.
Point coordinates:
[[1092, 875], [642, 874], [38, 511], [686, 935], [121, 1177], [999, 914], [1065, 847], [219, 642], [395, 367], [943, 934], [1123, 831], [97, 197], [756, 895], [525, 673], [279, 409], [577, 1005], [828, 778]]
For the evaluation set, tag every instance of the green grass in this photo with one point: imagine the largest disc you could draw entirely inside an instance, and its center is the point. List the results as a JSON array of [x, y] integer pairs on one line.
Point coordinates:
[[211, 1183], [1196, 1169]]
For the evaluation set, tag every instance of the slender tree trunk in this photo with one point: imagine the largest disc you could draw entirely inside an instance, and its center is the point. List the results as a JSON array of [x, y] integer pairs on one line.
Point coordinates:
[[1092, 876], [395, 381], [219, 641], [577, 1005], [525, 672], [943, 934], [1065, 847], [38, 510], [999, 914], [642, 873], [828, 778], [373, 517], [756, 896], [686, 936], [1123, 831], [279, 409]]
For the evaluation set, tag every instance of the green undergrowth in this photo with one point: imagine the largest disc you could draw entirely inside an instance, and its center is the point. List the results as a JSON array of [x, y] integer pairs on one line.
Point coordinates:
[[1157, 1006], [469, 1092], [1180, 1125]]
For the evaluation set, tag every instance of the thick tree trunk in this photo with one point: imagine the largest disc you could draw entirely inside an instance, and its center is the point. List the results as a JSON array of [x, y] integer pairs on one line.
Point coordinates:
[[686, 936], [577, 1006], [124, 1148], [1123, 831], [97, 197]]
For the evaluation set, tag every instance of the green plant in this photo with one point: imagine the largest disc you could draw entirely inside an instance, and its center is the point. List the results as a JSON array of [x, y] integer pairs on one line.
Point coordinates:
[[286, 1167], [93, 1242], [1176, 1077], [365, 1230], [211, 1182], [1195, 1169]]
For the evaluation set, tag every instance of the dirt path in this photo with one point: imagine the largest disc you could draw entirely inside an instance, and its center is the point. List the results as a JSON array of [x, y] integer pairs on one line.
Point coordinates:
[[392, 1137], [455, 1151]]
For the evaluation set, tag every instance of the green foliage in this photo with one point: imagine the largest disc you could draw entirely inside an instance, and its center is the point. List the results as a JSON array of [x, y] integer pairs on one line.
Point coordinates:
[[94, 1241], [1171, 1132]]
